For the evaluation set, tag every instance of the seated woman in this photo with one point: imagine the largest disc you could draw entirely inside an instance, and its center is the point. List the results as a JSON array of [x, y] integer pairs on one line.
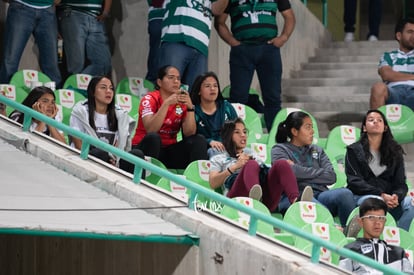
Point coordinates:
[[41, 99], [238, 174], [211, 110], [162, 114], [99, 117], [311, 165], [374, 167]]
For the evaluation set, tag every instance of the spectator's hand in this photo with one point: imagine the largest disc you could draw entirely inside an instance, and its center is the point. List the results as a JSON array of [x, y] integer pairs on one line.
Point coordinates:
[[172, 99], [184, 97], [38, 106], [217, 145], [242, 159], [390, 200], [291, 163], [278, 41], [102, 16]]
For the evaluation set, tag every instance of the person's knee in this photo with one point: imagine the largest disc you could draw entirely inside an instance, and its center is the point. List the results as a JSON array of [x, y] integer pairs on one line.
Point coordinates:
[[281, 164], [379, 91], [197, 141]]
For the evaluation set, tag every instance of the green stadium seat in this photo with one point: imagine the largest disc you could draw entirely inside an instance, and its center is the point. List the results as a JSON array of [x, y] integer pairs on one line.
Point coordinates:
[[23, 79], [13, 93], [65, 100], [401, 121], [79, 83], [137, 86], [327, 232], [150, 177], [129, 103]]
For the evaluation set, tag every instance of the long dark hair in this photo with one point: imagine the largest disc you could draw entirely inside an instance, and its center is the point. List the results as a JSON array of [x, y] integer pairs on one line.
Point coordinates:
[[284, 129], [31, 99], [226, 134], [390, 150], [112, 121], [195, 89]]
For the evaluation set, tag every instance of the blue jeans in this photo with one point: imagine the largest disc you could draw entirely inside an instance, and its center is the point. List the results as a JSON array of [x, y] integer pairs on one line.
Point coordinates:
[[21, 22], [84, 38], [266, 60], [340, 202], [403, 213], [374, 16], [189, 61], [154, 32], [401, 94]]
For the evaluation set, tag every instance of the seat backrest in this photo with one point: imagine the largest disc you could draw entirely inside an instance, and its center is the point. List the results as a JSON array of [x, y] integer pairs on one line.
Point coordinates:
[[177, 190], [251, 120], [327, 232], [150, 177], [394, 235], [410, 255], [260, 152], [78, 83], [338, 139], [65, 100], [243, 219], [13, 93], [303, 212], [26, 78], [401, 121], [132, 85], [129, 103], [198, 172]]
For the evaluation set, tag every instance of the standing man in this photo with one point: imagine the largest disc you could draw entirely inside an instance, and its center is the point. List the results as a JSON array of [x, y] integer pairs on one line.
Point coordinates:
[[255, 45], [372, 217], [85, 42], [186, 35], [396, 69], [24, 18], [155, 15]]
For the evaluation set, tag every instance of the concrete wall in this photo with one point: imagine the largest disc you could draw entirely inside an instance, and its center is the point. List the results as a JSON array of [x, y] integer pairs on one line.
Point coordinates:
[[127, 30]]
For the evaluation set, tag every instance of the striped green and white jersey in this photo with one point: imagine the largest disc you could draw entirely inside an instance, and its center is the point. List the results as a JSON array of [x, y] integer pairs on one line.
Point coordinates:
[[189, 22], [399, 61], [37, 4], [92, 7]]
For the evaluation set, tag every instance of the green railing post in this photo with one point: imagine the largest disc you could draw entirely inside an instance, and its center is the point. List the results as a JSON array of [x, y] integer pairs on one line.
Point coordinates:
[[252, 226], [316, 251], [325, 13], [305, 2], [27, 121], [84, 150], [137, 174], [192, 200]]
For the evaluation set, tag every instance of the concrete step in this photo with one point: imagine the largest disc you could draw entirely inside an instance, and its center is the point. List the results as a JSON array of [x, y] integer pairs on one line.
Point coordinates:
[[343, 65], [344, 58], [318, 91], [350, 73], [384, 44], [338, 98], [340, 81], [373, 50], [347, 107]]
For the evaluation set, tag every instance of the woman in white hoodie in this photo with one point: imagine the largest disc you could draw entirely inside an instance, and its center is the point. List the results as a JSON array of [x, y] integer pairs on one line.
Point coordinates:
[[98, 116]]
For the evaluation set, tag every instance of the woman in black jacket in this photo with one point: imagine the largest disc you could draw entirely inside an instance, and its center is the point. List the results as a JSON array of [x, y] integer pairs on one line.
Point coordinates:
[[375, 168]]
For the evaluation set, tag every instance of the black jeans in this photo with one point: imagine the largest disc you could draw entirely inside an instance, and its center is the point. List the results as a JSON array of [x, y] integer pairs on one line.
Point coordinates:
[[123, 164], [374, 16], [175, 156]]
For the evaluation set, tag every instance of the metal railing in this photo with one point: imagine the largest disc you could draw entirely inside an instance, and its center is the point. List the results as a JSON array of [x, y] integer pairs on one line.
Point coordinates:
[[196, 189], [324, 11]]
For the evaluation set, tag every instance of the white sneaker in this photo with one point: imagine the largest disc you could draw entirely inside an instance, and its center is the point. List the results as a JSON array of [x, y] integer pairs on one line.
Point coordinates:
[[307, 194], [372, 38], [256, 192], [349, 37]]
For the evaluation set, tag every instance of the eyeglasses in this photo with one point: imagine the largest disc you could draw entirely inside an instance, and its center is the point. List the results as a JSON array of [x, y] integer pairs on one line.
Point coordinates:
[[374, 218]]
